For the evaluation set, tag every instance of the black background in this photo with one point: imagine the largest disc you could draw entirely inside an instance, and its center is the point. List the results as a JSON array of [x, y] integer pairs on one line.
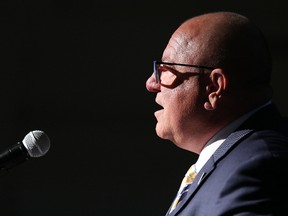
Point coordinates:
[[77, 70]]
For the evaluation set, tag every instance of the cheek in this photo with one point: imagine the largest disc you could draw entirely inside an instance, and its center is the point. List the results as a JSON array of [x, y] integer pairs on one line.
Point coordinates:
[[187, 98], [182, 100], [181, 105], [188, 105]]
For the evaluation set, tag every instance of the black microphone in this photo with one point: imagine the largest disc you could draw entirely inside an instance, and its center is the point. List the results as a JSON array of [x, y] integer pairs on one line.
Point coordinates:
[[35, 144]]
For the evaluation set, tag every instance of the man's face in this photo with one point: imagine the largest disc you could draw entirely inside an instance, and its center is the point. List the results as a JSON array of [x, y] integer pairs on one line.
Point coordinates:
[[182, 103]]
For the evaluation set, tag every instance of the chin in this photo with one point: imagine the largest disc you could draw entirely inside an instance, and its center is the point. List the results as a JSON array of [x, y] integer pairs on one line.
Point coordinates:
[[158, 130], [161, 132]]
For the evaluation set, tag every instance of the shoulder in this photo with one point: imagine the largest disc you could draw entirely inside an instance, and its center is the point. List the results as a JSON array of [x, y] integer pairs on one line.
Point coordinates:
[[254, 145]]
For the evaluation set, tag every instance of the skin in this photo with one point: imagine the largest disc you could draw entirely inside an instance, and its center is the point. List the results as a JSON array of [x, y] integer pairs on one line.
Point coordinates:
[[196, 109]]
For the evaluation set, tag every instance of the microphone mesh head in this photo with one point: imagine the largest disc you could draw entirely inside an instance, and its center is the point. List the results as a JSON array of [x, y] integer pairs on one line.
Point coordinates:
[[37, 143]]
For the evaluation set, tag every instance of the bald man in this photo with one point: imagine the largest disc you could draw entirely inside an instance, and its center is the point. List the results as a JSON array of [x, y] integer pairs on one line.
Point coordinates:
[[213, 83]]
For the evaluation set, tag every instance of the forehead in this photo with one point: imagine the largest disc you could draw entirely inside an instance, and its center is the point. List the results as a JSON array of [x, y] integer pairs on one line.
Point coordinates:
[[182, 47]]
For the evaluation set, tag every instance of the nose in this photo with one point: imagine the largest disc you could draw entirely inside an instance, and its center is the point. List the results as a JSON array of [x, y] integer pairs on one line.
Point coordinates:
[[151, 84]]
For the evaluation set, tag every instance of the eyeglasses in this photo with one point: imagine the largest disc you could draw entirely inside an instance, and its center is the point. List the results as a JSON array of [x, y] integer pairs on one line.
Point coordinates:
[[167, 76]]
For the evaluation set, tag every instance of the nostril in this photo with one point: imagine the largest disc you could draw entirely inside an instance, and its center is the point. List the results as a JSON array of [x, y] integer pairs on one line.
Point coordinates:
[[152, 86]]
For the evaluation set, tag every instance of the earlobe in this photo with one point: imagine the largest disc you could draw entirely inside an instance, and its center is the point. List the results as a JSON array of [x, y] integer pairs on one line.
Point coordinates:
[[208, 106]]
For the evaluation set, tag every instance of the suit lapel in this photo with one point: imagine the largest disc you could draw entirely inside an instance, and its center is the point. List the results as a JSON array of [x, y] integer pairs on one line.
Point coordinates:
[[210, 166]]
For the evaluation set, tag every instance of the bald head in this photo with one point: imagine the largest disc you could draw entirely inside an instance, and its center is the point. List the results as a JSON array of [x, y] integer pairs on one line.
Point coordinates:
[[232, 43], [228, 41]]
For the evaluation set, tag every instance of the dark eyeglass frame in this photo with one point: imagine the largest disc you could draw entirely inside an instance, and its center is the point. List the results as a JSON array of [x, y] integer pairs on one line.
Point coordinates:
[[157, 73]]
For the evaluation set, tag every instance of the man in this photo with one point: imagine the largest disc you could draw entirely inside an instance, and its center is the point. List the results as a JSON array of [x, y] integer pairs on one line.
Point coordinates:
[[213, 83]]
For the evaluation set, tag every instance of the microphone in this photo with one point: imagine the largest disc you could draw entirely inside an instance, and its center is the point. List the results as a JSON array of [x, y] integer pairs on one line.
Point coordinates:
[[35, 144]]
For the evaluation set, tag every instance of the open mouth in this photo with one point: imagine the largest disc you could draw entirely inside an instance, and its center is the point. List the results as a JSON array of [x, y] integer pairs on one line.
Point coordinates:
[[158, 106], [158, 109]]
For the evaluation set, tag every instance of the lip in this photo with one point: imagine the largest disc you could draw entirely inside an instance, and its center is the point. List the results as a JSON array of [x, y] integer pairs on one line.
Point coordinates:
[[159, 108], [158, 111], [157, 100], [158, 104]]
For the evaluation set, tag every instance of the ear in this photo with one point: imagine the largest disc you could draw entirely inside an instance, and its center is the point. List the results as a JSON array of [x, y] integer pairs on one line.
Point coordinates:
[[215, 88]]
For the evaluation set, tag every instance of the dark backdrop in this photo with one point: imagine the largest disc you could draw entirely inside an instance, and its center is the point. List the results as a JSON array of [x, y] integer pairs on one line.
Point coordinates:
[[77, 70]]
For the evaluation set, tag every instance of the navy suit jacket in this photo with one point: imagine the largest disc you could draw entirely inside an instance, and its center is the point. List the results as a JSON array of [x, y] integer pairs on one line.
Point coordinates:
[[247, 173]]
